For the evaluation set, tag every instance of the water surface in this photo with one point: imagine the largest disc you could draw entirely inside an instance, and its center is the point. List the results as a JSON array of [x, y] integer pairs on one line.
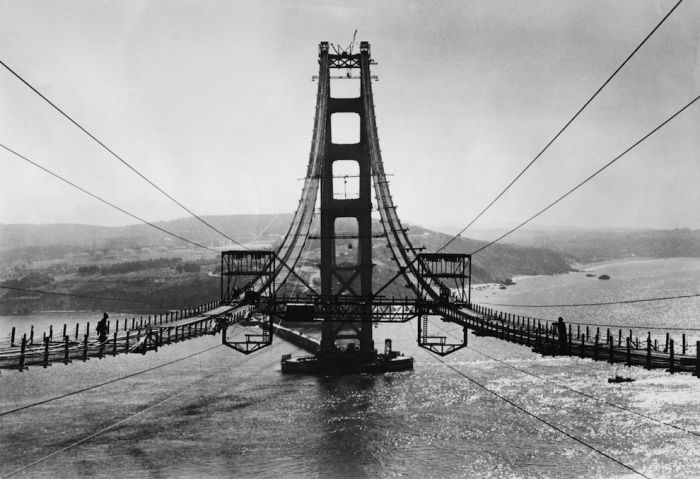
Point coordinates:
[[222, 414]]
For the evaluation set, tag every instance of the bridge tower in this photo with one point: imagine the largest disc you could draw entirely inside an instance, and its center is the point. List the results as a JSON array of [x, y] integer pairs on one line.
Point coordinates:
[[347, 307], [343, 278]]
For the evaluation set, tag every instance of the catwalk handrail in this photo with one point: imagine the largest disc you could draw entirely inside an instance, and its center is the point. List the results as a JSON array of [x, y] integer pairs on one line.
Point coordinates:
[[543, 336], [122, 337]]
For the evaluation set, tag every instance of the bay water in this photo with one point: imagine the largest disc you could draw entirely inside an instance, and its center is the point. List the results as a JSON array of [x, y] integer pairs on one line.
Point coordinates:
[[493, 409]]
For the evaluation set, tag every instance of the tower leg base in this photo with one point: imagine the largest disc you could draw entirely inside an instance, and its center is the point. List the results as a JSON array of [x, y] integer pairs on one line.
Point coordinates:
[[347, 365]]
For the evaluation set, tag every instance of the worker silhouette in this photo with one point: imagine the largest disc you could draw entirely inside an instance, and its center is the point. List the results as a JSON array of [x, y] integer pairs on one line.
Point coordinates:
[[102, 328], [561, 334]]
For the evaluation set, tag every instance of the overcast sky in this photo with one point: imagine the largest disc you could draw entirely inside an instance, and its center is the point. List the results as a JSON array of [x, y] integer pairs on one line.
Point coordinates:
[[214, 102]]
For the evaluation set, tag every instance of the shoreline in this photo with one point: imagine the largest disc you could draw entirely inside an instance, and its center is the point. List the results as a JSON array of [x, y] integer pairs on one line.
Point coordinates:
[[486, 290]]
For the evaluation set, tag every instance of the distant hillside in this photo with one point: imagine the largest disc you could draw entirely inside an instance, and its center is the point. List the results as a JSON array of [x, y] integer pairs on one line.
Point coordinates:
[[27, 243], [588, 245], [497, 262], [243, 228], [159, 272]]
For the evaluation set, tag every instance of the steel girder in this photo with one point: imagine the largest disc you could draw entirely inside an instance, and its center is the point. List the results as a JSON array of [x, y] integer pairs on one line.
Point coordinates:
[[342, 309]]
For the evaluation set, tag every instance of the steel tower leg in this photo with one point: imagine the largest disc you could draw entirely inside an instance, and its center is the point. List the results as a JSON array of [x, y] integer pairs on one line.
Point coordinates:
[[343, 280]]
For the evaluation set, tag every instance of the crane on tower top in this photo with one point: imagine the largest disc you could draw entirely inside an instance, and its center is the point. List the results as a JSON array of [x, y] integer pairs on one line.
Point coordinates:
[[345, 52], [352, 43]]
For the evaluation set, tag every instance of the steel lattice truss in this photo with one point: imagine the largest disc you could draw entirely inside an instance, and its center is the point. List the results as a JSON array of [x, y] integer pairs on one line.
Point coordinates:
[[341, 309]]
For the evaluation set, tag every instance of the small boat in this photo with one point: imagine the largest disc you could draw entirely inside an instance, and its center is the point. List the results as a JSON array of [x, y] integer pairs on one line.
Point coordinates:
[[620, 379]]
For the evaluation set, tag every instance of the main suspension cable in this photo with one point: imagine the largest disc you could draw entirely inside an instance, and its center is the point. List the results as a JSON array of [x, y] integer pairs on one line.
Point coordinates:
[[688, 105], [111, 381], [101, 431], [127, 418], [562, 129], [103, 298], [589, 396], [110, 151], [617, 325], [602, 303], [538, 418], [118, 423], [56, 175]]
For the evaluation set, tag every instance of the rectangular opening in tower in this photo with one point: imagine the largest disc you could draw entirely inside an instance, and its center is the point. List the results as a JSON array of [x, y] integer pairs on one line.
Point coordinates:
[[345, 128], [345, 87], [346, 231], [346, 179]]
